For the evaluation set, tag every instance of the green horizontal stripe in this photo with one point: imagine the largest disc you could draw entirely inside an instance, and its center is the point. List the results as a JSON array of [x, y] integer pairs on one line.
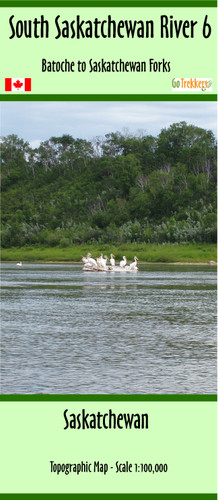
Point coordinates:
[[108, 397], [110, 496], [108, 97], [109, 3]]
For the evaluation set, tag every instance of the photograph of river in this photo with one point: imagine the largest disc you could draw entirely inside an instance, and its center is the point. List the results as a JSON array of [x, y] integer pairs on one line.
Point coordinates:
[[135, 179], [65, 331]]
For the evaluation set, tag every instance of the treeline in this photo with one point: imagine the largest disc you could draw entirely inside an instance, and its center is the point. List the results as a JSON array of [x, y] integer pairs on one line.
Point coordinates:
[[117, 189]]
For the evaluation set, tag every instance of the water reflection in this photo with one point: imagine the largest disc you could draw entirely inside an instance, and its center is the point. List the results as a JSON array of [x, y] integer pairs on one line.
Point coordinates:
[[65, 331]]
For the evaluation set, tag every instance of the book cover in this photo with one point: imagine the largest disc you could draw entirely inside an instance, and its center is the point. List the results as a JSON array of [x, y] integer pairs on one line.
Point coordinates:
[[108, 165]]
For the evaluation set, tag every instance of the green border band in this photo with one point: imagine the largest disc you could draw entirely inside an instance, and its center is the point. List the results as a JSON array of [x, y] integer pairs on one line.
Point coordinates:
[[109, 97], [108, 3], [109, 397], [112, 496]]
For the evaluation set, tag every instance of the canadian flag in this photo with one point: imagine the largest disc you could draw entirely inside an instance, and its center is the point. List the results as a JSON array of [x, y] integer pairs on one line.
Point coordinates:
[[18, 84]]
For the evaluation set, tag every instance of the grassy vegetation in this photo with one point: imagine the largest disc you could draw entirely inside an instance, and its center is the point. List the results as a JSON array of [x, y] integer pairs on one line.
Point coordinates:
[[145, 253]]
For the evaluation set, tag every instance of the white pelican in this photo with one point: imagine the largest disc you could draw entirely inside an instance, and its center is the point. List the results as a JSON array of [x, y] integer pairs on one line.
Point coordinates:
[[104, 261], [91, 260], [133, 265], [19, 264], [100, 260], [112, 260], [123, 262], [86, 263], [85, 260]]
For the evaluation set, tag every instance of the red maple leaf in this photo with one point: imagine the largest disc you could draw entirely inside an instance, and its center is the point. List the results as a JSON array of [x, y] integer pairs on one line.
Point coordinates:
[[18, 84]]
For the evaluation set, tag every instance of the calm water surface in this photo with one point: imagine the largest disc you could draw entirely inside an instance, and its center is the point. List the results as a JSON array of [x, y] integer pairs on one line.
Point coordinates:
[[65, 331]]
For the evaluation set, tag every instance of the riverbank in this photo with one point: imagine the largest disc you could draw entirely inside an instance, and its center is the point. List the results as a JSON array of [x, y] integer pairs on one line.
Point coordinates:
[[168, 253]]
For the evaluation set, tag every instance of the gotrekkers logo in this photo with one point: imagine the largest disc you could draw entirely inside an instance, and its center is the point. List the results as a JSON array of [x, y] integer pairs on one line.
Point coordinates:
[[193, 84]]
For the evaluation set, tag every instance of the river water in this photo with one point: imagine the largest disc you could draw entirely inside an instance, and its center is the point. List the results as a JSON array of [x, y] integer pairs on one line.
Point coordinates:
[[65, 331]]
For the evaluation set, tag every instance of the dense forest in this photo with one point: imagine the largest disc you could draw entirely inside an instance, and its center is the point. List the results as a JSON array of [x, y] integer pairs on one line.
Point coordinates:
[[116, 189]]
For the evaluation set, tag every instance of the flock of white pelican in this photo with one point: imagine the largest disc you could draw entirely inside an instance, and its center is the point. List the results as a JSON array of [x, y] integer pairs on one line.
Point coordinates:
[[101, 263]]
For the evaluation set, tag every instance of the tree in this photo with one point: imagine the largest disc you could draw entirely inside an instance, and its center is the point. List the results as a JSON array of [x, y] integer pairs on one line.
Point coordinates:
[[14, 159], [187, 144]]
